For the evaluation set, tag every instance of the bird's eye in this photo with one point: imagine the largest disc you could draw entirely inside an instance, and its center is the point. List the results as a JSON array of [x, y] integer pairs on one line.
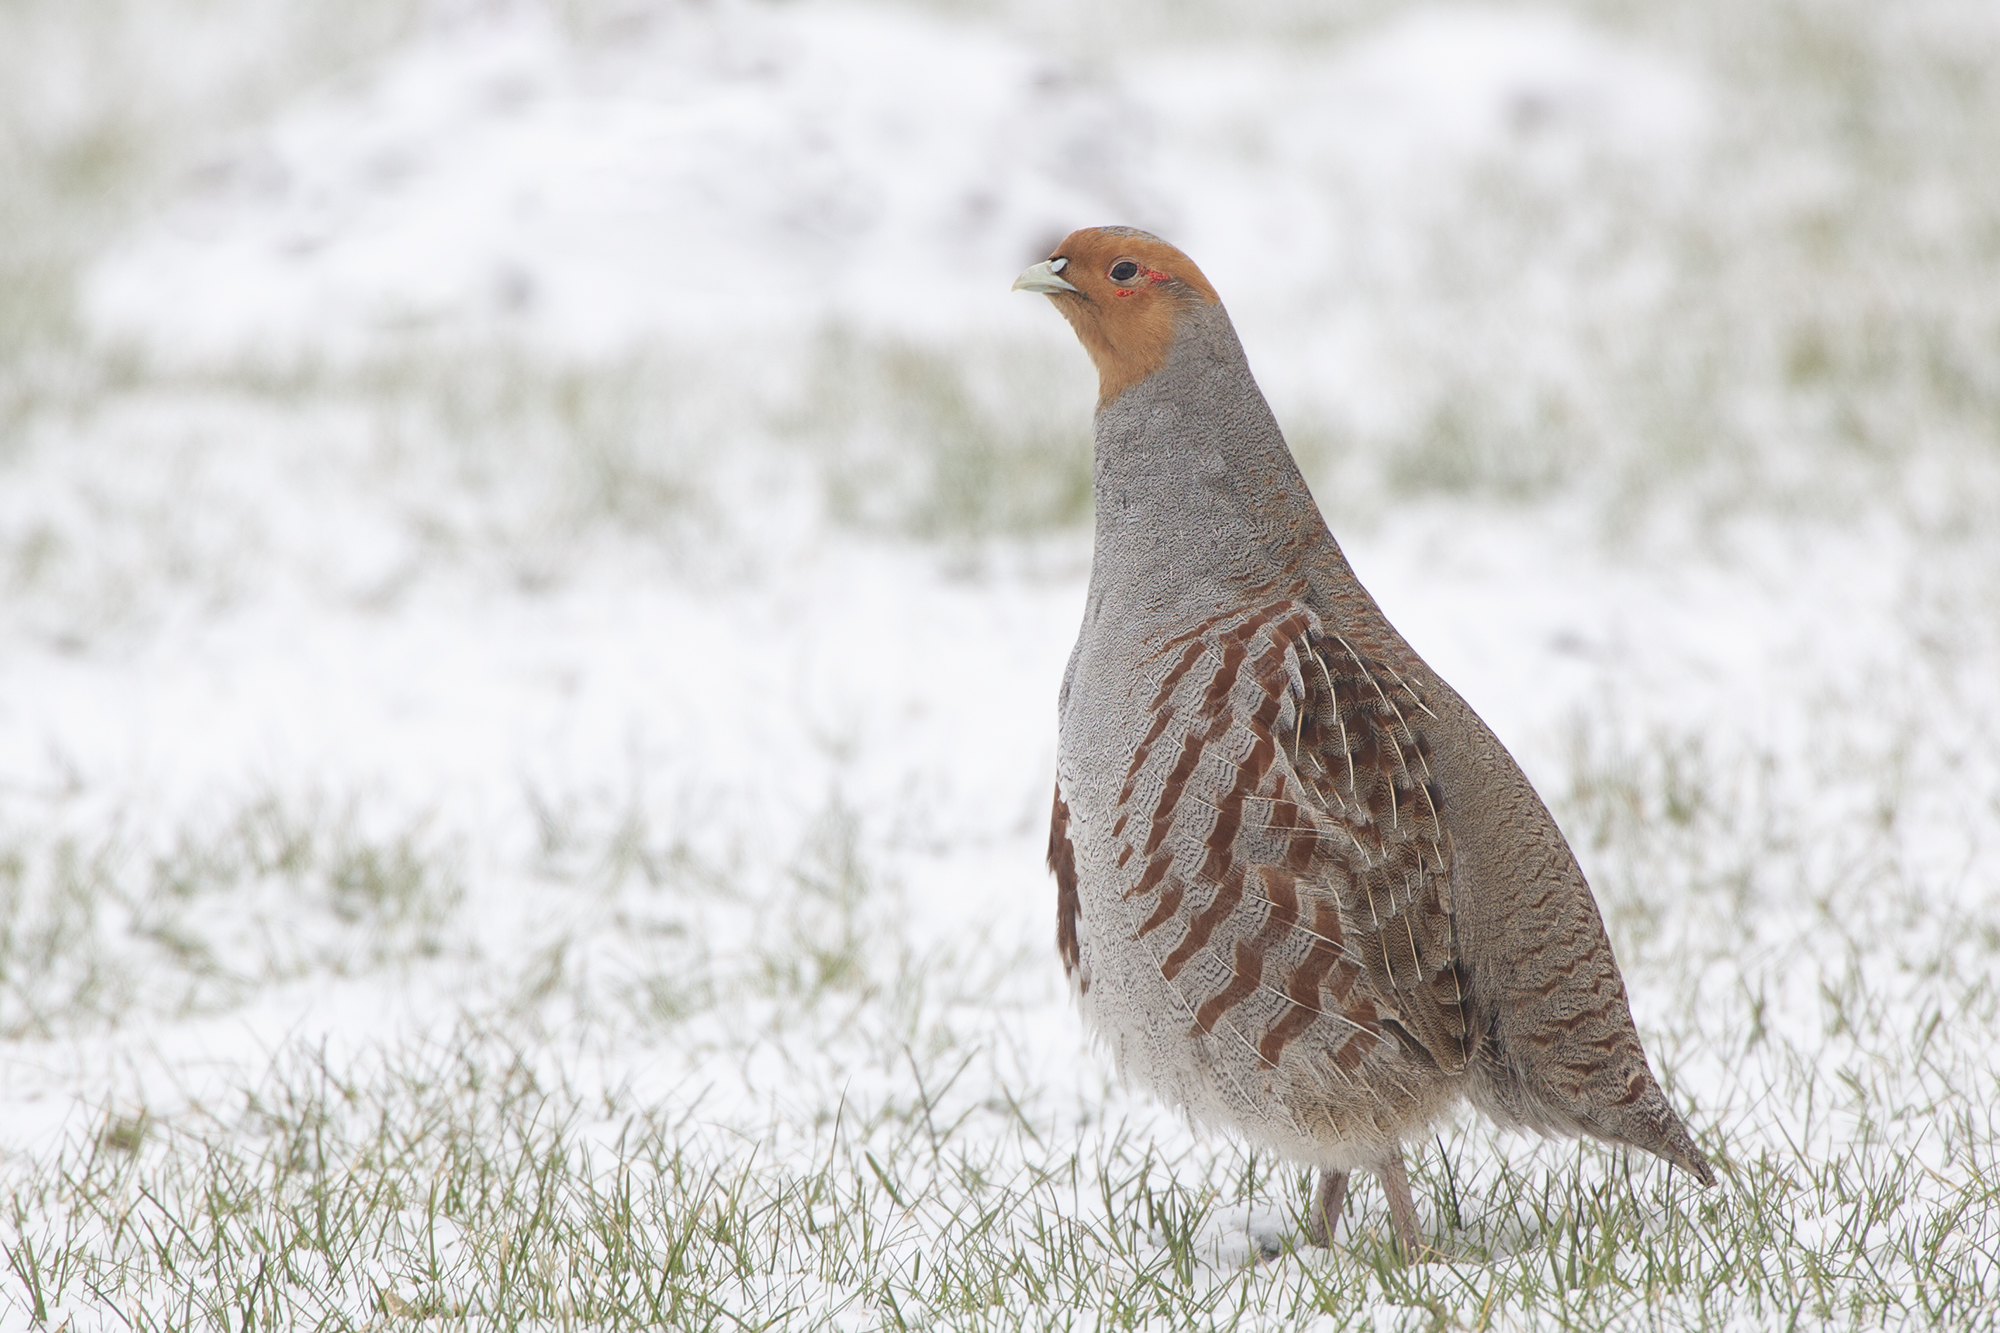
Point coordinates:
[[1058, 264], [1124, 271]]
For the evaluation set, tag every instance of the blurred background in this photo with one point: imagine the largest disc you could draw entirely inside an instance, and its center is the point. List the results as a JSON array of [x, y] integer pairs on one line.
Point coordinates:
[[1742, 252], [540, 522]]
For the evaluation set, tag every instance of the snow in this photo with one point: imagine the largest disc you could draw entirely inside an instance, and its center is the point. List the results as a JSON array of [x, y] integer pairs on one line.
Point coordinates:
[[747, 170], [251, 601]]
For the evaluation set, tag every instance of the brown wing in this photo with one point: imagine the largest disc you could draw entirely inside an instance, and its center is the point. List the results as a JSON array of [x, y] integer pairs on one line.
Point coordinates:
[[1062, 861], [1359, 747], [1283, 841]]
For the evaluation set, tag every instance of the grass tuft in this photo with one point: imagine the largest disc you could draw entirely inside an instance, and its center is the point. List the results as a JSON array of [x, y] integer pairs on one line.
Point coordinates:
[[93, 932]]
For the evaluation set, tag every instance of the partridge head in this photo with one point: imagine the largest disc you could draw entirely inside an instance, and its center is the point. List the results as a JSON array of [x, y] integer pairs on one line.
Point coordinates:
[[1303, 891]]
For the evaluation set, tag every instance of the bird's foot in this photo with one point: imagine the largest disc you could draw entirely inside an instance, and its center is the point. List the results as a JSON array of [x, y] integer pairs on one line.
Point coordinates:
[[1323, 1211]]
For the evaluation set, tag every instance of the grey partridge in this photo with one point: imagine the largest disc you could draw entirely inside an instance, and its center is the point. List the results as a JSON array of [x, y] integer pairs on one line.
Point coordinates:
[[1303, 892]]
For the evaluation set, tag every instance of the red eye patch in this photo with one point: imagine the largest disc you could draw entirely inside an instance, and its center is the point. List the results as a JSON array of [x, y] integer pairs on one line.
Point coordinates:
[[1153, 276]]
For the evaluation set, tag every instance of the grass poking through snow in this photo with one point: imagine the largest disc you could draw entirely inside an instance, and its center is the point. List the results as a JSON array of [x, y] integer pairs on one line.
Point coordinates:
[[841, 1135], [753, 1061]]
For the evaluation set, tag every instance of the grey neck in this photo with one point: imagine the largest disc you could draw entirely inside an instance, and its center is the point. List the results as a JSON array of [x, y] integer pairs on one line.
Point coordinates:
[[1198, 497]]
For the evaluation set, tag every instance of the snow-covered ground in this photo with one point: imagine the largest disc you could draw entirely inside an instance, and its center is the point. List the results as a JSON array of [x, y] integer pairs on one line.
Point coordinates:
[[534, 571]]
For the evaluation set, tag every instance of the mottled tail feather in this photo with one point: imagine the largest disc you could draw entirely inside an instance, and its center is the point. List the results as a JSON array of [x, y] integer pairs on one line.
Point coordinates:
[[1652, 1125], [1678, 1148]]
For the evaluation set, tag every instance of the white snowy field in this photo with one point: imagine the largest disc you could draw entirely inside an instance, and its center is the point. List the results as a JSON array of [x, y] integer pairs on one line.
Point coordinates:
[[537, 549]]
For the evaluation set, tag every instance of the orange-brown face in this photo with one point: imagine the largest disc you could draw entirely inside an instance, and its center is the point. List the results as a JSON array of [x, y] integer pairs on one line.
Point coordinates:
[[1124, 292]]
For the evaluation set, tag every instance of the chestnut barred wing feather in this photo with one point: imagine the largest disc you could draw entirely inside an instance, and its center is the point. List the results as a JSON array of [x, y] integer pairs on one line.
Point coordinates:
[[1062, 862], [1282, 836], [1360, 748]]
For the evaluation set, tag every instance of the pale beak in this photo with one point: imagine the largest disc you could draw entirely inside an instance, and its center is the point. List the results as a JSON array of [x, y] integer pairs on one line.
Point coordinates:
[[1044, 277]]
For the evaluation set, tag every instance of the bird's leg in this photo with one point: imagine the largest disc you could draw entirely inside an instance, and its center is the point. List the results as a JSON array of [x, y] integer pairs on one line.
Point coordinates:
[[1403, 1213], [1323, 1213]]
